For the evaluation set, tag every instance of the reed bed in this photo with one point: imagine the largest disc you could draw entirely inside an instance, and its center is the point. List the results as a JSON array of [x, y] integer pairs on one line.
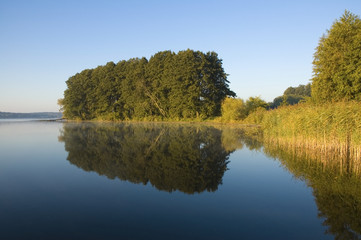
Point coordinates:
[[323, 160], [325, 129]]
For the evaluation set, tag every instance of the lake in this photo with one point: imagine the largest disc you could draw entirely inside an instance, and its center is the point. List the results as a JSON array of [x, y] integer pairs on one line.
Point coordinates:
[[166, 181]]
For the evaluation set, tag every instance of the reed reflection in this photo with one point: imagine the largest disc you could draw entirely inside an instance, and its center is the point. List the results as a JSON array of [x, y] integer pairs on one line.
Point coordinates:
[[336, 186]]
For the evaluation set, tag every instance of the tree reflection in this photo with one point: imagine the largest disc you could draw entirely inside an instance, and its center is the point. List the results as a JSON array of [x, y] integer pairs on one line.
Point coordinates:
[[336, 186], [194, 158], [171, 157]]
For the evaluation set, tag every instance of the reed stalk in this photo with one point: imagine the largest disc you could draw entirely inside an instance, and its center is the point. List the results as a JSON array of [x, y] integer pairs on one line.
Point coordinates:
[[325, 129]]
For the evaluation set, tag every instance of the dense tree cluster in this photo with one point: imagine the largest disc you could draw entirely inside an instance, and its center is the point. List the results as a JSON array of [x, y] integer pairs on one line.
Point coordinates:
[[189, 84], [292, 95], [301, 90], [234, 109], [337, 62]]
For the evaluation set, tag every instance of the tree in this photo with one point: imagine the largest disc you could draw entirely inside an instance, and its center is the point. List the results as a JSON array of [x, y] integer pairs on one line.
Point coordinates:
[[105, 92], [76, 100], [61, 104], [301, 90], [136, 104], [253, 103], [233, 109], [189, 84], [292, 95], [157, 85], [337, 61], [214, 84], [186, 83]]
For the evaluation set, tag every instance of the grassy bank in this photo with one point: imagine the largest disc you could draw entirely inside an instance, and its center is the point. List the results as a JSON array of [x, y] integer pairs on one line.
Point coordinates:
[[323, 128]]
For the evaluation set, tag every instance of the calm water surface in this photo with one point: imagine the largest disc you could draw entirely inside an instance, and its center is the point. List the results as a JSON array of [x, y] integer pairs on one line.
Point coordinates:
[[159, 181]]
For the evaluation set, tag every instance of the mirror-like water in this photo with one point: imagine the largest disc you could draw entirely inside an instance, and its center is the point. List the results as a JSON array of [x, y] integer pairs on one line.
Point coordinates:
[[165, 181]]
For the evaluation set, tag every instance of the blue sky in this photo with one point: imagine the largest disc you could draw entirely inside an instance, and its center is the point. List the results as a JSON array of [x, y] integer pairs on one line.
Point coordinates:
[[266, 46]]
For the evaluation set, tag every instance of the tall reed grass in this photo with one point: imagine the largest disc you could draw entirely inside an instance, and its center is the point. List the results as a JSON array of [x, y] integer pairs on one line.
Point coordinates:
[[323, 128]]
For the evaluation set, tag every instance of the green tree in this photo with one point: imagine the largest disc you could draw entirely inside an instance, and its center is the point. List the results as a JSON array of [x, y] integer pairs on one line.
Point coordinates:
[[253, 103], [136, 103], [105, 92], [189, 84], [233, 109], [214, 84], [76, 104], [301, 90], [185, 83], [157, 85], [292, 95], [337, 61], [61, 104]]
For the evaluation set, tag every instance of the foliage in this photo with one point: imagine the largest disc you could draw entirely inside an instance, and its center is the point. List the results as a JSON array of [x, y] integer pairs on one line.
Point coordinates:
[[337, 62], [292, 96], [254, 103], [60, 103], [301, 90], [189, 84], [233, 109]]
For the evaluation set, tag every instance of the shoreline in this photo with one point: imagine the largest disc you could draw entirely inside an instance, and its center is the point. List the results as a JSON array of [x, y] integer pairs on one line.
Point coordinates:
[[206, 122]]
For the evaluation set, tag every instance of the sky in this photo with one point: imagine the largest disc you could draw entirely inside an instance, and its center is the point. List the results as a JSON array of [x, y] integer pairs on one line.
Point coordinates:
[[266, 46]]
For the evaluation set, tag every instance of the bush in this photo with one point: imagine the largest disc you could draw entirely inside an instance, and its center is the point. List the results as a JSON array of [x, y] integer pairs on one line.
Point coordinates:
[[233, 109]]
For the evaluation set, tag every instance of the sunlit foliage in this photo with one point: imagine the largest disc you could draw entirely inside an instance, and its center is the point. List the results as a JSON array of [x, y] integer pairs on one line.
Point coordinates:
[[186, 85], [292, 96], [337, 62], [233, 109]]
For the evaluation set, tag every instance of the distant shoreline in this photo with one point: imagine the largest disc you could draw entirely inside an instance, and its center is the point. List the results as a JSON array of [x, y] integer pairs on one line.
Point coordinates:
[[33, 115], [52, 120]]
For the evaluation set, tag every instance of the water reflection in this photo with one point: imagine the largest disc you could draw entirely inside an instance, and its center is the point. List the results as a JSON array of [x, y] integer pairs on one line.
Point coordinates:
[[194, 158], [171, 157], [336, 186]]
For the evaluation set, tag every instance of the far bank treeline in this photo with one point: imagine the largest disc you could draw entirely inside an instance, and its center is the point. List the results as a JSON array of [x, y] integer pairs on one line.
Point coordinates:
[[187, 85]]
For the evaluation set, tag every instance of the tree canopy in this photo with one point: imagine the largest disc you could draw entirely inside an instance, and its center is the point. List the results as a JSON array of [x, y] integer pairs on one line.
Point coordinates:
[[337, 61], [301, 90], [235, 109], [189, 84], [292, 95]]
